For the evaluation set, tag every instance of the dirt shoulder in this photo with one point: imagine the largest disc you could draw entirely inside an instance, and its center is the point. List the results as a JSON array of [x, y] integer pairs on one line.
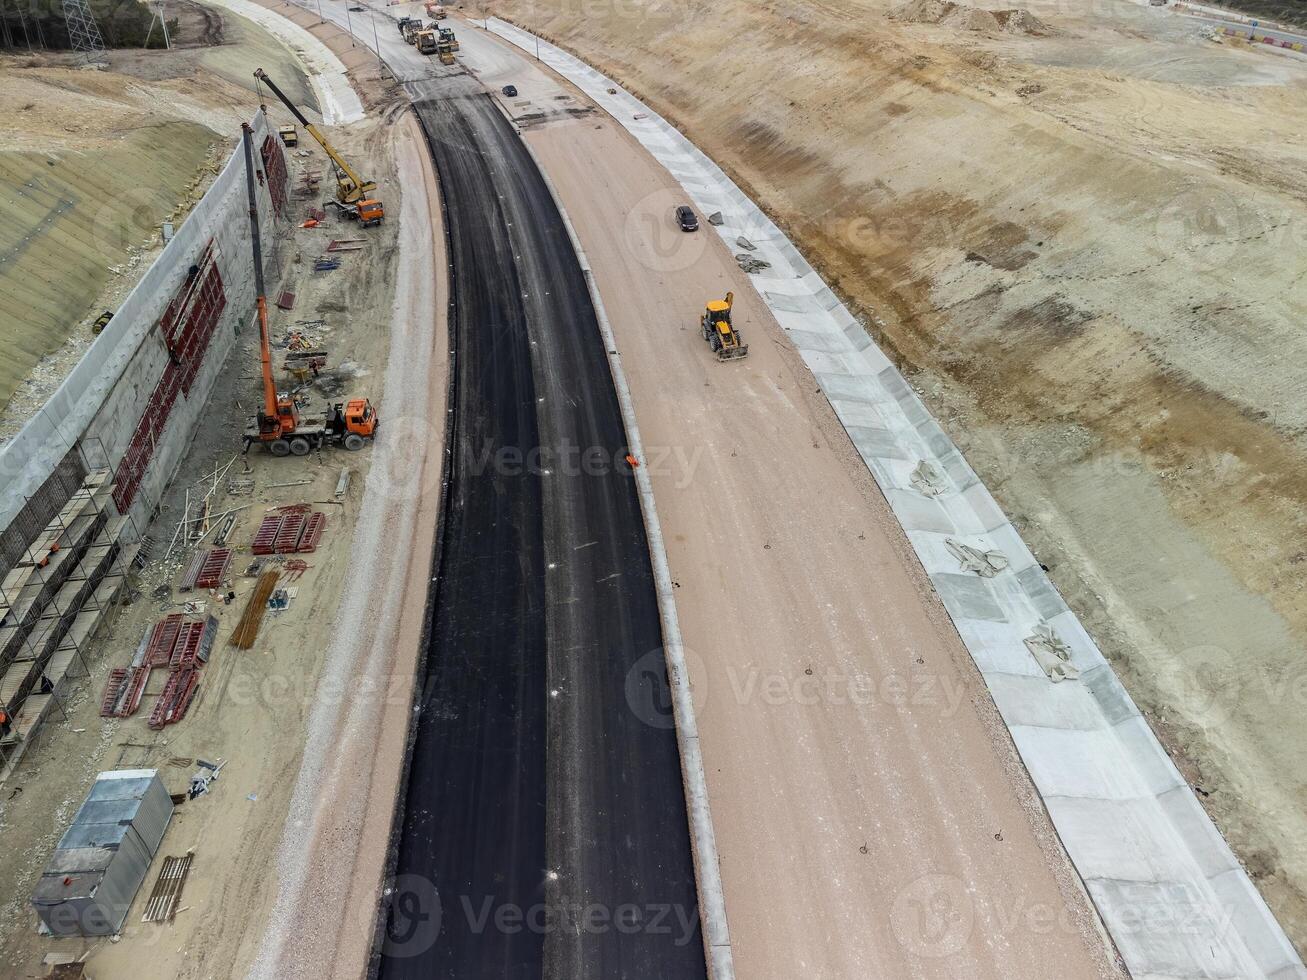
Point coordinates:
[[1049, 232]]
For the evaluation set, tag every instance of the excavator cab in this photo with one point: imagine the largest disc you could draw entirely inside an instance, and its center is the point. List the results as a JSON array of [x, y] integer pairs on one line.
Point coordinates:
[[718, 331]]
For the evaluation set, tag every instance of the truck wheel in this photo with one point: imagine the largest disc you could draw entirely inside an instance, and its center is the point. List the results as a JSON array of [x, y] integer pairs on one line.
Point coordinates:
[[299, 446], [353, 442], [279, 447]]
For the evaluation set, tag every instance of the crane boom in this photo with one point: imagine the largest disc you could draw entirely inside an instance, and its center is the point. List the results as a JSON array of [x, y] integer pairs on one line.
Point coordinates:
[[350, 186], [265, 347]]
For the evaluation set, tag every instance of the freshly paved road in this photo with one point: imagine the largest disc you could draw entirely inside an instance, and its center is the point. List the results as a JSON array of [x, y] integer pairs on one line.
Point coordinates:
[[548, 814]]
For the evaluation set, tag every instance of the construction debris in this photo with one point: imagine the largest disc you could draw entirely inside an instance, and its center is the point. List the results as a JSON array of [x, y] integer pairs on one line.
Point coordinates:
[[209, 772], [751, 265], [295, 567]]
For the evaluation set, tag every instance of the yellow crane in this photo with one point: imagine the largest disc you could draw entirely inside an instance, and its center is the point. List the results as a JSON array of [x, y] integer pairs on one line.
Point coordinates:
[[350, 187]]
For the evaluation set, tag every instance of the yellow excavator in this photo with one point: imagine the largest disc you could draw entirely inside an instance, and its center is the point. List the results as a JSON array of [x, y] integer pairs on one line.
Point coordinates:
[[717, 329], [351, 189]]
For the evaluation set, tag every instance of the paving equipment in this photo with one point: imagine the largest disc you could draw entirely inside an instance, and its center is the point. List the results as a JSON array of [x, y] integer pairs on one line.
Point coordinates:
[[403, 23], [427, 42], [447, 34], [411, 30], [717, 329], [445, 51], [278, 424], [350, 187]]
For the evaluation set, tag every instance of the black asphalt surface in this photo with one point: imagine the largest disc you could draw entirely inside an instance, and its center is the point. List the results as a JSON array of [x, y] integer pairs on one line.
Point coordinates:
[[544, 799]]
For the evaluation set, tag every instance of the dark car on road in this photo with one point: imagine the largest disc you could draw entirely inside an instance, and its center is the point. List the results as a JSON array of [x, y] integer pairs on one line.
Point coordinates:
[[510, 91], [686, 218]]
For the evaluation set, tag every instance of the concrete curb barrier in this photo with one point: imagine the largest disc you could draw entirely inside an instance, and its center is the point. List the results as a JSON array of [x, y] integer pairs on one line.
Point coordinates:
[[339, 102], [1169, 889], [712, 902]]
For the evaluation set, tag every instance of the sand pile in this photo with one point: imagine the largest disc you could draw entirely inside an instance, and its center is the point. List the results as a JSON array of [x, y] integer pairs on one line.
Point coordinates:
[[922, 11], [963, 17], [1022, 22]]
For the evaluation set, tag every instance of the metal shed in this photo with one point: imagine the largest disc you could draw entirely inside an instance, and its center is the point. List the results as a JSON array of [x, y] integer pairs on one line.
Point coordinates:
[[100, 863]]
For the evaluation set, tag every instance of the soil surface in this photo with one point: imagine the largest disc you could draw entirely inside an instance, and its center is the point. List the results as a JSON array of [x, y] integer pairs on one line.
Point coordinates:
[[1073, 241]]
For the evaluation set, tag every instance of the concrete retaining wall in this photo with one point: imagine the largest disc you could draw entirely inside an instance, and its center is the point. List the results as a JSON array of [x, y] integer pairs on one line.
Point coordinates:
[[134, 400]]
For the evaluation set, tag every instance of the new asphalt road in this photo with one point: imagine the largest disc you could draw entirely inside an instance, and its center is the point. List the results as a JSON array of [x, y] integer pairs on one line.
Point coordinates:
[[544, 801]]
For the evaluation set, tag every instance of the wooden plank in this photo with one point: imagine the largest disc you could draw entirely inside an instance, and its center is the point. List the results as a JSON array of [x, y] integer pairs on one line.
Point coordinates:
[[162, 904]]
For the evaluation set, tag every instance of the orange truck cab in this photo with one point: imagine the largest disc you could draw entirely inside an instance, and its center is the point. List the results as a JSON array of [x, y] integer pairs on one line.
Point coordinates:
[[370, 212]]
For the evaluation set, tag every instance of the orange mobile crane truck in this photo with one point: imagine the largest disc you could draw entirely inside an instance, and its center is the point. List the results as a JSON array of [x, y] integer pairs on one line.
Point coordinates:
[[279, 425]]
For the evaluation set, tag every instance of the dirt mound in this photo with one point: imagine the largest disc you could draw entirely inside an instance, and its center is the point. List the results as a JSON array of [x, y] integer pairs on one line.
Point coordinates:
[[963, 17], [1022, 22], [972, 19], [922, 11]]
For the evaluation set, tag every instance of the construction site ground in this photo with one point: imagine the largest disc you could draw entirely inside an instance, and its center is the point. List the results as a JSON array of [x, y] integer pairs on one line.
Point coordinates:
[[1036, 222], [1075, 232], [270, 712]]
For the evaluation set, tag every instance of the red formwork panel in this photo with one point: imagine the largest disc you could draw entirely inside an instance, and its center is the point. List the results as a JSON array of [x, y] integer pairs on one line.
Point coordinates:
[[265, 538], [176, 697], [112, 688], [201, 320], [122, 693], [188, 645], [214, 568], [288, 538], [135, 691], [313, 529], [187, 327], [274, 168], [158, 651]]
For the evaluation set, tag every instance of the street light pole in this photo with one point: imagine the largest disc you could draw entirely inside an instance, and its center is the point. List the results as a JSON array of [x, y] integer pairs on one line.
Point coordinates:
[[376, 41], [349, 23], [321, 19]]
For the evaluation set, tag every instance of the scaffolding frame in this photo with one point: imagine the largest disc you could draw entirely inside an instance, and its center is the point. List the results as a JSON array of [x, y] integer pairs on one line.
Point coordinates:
[[62, 635]]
